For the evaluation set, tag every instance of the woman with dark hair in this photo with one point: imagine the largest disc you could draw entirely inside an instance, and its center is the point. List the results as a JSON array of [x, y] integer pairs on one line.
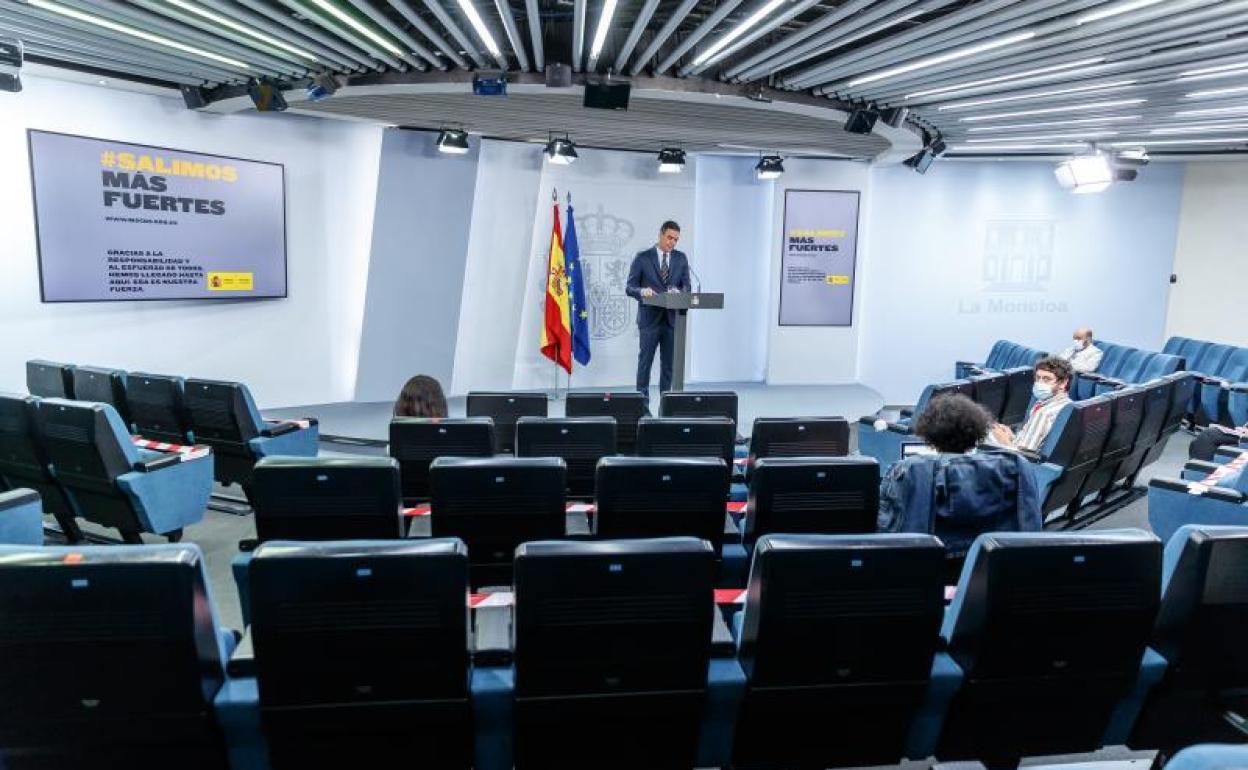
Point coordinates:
[[960, 491], [421, 397]]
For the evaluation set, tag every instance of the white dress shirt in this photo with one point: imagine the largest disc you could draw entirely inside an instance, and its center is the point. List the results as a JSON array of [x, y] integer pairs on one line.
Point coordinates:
[[1083, 359]]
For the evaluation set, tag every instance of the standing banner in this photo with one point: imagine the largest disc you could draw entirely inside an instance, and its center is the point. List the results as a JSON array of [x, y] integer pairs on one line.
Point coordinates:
[[818, 256]]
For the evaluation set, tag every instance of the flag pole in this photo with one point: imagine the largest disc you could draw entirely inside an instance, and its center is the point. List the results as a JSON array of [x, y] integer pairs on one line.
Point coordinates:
[[554, 197], [571, 322]]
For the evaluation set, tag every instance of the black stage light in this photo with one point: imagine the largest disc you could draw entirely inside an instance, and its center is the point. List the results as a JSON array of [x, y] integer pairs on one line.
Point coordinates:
[[11, 56], [453, 141], [561, 151], [769, 167], [266, 96], [671, 160], [861, 121]]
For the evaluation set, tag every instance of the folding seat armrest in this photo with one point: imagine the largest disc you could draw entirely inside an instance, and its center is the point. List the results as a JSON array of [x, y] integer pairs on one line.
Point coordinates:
[[1197, 489], [242, 662], [164, 461], [278, 429], [18, 497], [1209, 379], [1035, 457], [491, 636], [1228, 453], [248, 544], [1200, 466]]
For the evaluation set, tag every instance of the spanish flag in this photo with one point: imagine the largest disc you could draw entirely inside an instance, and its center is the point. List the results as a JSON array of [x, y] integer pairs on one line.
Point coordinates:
[[557, 325]]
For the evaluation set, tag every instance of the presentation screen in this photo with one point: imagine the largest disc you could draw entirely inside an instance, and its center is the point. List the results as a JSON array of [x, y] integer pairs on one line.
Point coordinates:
[[118, 221], [818, 257]]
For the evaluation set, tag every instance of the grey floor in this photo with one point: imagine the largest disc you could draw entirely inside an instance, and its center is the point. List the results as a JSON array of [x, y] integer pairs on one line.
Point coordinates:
[[219, 533]]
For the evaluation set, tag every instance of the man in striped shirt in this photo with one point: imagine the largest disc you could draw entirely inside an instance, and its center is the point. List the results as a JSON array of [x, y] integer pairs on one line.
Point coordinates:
[[1049, 397]]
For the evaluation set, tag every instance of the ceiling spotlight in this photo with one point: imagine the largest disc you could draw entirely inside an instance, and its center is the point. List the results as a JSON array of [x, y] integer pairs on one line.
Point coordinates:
[[769, 167], [11, 56], [1085, 174], [561, 150], [1127, 164], [453, 141], [671, 160]]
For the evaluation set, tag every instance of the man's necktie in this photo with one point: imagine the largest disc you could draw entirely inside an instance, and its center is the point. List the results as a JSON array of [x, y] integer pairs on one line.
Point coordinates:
[[663, 269]]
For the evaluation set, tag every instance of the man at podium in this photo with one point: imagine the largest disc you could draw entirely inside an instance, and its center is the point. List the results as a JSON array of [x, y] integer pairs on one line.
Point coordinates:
[[658, 269]]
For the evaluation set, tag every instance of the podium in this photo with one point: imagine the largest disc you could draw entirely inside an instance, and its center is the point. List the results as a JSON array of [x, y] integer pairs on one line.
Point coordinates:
[[685, 301]]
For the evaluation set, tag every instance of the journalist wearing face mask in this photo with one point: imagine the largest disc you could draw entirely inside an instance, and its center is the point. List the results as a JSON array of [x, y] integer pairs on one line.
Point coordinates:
[[1049, 396], [1083, 355]]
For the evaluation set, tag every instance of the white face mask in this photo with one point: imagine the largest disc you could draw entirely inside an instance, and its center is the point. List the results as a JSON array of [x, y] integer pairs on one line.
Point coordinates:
[[1080, 344], [1042, 391]]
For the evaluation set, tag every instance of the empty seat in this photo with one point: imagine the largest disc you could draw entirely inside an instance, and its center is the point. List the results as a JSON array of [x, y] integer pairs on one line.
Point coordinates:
[[224, 416], [1071, 452], [103, 385], [837, 640], [694, 403], [115, 484], [112, 657], [580, 441], [612, 647], [816, 495], [627, 407], [1214, 388], [799, 437], [21, 517], [687, 437], [496, 504], [1049, 630], [417, 441], [361, 652], [504, 409], [1126, 413], [321, 498], [990, 391], [1158, 400], [157, 407], [1209, 494], [641, 497], [1200, 632], [49, 379], [24, 461]]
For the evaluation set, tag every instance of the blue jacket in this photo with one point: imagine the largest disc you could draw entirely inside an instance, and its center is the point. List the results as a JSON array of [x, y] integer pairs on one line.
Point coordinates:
[[644, 273], [957, 497]]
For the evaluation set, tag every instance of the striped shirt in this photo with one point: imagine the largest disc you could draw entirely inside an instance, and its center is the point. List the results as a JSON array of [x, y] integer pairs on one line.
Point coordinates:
[[1040, 422]]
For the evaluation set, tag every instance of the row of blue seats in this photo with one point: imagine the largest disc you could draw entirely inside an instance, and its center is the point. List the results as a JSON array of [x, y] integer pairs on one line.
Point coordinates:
[[1207, 493], [168, 409], [614, 654], [1094, 446], [82, 461], [1223, 372]]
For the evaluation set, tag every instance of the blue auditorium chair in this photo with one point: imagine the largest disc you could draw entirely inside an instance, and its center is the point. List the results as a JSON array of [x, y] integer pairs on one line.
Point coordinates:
[[646, 497], [1070, 453], [112, 658], [1003, 355], [223, 415], [839, 642], [1050, 631], [1213, 393], [111, 482], [699, 403], [157, 404], [21, 517], [104, 386], [687, 437], [417, 441], [1175, 345], [1019, 381], [580, 441], [627, 407], [991, 391], [1212, 756], [504, 409], [1210, 495], [24, 461], [812, 495], [494, 505], [49, 379], [361, 653], [797, 437], [1182, 386], [885, 445], [1200, 632], [1237, 404], [612, 658], [1126, 414]]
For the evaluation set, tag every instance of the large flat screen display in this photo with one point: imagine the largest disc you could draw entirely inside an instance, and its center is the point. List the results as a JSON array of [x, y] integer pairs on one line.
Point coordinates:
[[120, 221]]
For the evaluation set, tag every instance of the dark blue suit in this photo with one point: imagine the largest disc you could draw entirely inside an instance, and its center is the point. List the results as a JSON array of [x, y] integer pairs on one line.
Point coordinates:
[[655, 326]]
